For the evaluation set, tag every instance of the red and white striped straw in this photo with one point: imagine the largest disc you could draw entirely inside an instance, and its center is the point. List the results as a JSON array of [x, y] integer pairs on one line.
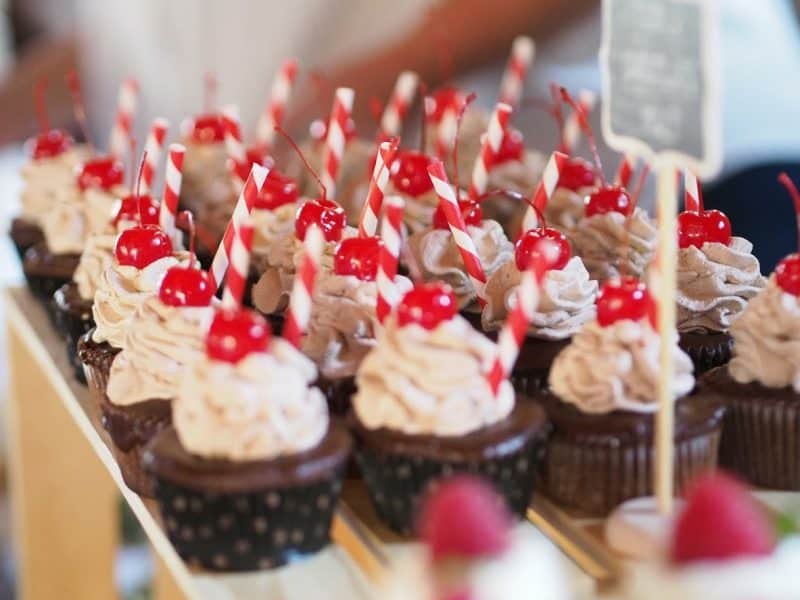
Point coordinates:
[[336, 139], [173, 177], [544, 191], [389, 255], [153, 146], [396, 109], [522, 53], [492, 141], [299, 312], [465, 244], [513, 332], [572, 128], [234, 143], [446, 132], [279, 96], [241, 248], [126, 109], [625, 170], [241, 212], [693, 193], [368, 222]]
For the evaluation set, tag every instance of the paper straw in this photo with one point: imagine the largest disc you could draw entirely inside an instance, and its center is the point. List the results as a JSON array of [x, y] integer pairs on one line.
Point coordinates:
[[625, 170], [234, 143], [693, 194], [299, 312], [173, 177], [336, 139], [544, 191], [490, 147], [275, 109], [463, 241], [123, 122], [446, 132], [392, 236], [396, 109], [241, 248], [572, 128], [153, 146], [513, 82], [368, 222], [241, 212]]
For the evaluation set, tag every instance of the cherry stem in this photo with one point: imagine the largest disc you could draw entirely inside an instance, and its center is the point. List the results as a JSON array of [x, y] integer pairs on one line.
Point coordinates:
[[557, 110], [41, 105], [79, 110], [640, 186], [376, 110], [187, 222], [583, 122], [137, 194], [209, 92], [308, 166], [132, 159], [459, 118], [792, 188]]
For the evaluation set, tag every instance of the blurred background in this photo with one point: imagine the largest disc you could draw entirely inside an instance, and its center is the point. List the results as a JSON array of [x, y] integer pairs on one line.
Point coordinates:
[[170, 46]]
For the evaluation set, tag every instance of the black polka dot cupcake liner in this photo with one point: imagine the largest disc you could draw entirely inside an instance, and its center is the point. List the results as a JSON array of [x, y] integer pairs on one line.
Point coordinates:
[[248, 531], [397, 482], [72, 322]]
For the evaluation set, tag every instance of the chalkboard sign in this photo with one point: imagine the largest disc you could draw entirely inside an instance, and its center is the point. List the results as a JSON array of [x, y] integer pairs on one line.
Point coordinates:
[[661, 81]]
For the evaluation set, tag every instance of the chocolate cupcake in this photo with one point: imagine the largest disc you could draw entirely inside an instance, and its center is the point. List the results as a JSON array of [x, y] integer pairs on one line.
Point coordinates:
[[603, 402], [424, 410], [249, 476], [715, 282], [761, 385]]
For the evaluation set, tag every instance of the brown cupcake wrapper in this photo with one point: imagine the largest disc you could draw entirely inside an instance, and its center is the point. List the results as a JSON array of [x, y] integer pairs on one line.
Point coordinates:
[[73, 325], [338, 393], [594, 478], [707, 354], [761, 441]]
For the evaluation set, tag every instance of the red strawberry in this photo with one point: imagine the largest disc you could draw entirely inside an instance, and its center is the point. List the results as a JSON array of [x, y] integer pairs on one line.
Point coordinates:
[[720, 521], [464, 518]]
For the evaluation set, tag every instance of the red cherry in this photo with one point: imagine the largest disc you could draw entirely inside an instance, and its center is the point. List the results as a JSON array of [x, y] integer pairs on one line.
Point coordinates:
[[464, 518], [530, 244], [720, 521], [234, 334], [358, 257], [787, 274], [409, 173], [278, 190], [717, 226], [427, 305], [326, 214], [623, 298], [102, 172], [51, 144], [470, 209], [208, 129], [511, 148], [609, 199], [444, 99], [133, 208], [186, 286], [142, 245], [577, 174], [695, 229]]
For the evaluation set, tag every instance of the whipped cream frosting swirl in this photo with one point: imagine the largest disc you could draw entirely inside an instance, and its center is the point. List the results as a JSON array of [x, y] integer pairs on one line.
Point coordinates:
[[343, 322], [97, 256], [566, 300], [611, 245], [616, 368], [257, 409], [438, 256], [45, 179], [417, 381], [566, 207], [159, 343], [121, 290], [714, 284], [767, 340]]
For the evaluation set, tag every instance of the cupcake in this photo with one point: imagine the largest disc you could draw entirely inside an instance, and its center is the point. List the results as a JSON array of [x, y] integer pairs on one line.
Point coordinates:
[[249, 474], [602, 402], [409, 179], [424, 410], [566, 303], [722, 548], [565, 208], [471, 550], [717, 276]]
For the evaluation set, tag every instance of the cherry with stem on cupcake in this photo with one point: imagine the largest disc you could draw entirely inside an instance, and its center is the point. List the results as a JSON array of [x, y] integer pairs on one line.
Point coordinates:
[[189, 285], [787, 273], [207, 127], [528, 246], [697, 226], [50, 142]]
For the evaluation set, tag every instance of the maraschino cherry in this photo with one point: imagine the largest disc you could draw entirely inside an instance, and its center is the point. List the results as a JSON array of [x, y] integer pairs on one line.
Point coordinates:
[[135, 209], [511, 148], [696, 227], [101, 172], [442, 100], [142, 245], [470, 209], [50, 142], [787, 273], [427, 305], [278, 190], [207, 127], [409, 173], [236, 333], [186, 286], [542, 239], [623, 298], [577, 174], [358, 256]]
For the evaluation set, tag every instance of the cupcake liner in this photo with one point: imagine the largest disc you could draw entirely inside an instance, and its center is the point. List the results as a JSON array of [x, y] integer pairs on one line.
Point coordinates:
[[96, 359], [529, 381], [338, 393], [398, 481], [241, 531], [45, 272], [73, 322], [24, 234], [707, 351]]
